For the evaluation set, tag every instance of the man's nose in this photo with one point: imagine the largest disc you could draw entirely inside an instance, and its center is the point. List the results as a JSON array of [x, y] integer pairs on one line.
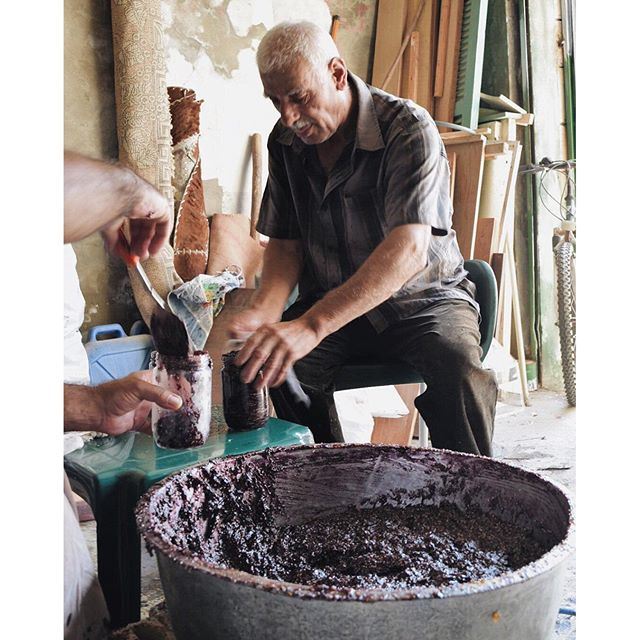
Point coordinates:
[[288, 114]]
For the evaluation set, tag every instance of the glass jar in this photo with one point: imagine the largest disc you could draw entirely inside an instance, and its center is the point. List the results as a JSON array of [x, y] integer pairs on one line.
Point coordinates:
[[245, 407], [190, 378]]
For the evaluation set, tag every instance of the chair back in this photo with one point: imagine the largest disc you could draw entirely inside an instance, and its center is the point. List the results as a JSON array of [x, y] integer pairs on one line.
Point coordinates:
[[482, 276], [373, 373]]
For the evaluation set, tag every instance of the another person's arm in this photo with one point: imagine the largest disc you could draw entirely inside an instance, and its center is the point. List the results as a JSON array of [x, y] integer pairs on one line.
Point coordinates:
[[115, 407], [98, 196]]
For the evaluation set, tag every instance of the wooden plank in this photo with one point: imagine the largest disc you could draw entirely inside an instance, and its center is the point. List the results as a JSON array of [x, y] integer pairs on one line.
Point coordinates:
[[495, 149], [446, 103], [495, 183], [497, 265], [335, 23], [502, 130], [451, 157], [435, 14], [460, 137], [505, 298], [507, 213], [410, 68], [426, 49], [525, 120], [484, 239], [466, 196], [256, 181], [506, 293], [517, 322], [501, 103], [398, 430], [490, 115], [443, 28], [389, 31]]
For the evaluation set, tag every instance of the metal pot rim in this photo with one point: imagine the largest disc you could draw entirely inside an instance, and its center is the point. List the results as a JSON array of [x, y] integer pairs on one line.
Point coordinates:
[[545, 563]]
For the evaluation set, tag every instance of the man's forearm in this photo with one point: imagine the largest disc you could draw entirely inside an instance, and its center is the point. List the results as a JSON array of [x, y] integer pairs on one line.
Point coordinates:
[[395, 261], [83, 408], [280, 273], [112, 190]]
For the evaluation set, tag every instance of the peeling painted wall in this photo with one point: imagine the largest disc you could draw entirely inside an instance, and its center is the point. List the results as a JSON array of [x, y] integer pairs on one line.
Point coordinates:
[[356, 33], [210, 47]]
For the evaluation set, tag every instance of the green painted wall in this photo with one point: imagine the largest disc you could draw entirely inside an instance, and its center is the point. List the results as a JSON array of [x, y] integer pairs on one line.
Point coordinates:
[[549, 138]]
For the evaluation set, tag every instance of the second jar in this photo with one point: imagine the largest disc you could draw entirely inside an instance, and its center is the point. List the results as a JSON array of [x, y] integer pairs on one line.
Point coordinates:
[[245, 407]]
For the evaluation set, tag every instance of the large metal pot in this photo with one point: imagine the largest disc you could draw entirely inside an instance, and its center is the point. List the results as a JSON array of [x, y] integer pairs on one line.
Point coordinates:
[[207, 601]]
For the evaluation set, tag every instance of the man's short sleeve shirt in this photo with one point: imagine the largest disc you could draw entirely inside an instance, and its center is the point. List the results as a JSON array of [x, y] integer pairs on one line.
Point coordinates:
[[395, 172]]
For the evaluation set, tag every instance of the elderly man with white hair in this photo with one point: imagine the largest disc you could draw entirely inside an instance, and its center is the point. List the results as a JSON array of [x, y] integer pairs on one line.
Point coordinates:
[[358, 212]]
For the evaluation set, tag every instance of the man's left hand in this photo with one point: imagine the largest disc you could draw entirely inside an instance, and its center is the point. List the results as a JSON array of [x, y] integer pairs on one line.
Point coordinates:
[[275, 348]]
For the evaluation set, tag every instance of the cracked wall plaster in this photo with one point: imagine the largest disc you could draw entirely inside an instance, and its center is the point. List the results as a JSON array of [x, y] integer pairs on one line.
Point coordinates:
[[211, 49]]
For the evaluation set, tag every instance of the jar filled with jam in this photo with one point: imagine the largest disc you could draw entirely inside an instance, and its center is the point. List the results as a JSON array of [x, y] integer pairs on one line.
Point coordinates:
[[189, 377], [245, 407]]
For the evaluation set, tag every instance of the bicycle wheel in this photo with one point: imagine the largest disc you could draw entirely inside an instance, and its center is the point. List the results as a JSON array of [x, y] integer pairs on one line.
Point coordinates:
[[565, 274]]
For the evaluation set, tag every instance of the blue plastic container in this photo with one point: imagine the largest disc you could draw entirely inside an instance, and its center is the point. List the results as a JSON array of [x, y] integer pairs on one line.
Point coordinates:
[[115, 357]]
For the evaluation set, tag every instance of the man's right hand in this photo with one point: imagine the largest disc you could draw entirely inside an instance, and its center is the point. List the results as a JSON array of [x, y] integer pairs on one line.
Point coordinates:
[[150, 222]]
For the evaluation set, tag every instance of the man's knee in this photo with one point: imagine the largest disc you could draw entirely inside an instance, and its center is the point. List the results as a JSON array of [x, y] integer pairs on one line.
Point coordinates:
[[454, 357], [314, 374]]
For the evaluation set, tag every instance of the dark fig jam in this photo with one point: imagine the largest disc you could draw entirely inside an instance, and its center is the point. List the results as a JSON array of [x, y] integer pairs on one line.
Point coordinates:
[[190, 378]]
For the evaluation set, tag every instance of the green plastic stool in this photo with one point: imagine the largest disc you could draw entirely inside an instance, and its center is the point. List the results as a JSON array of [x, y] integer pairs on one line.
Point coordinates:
[[112, 473]]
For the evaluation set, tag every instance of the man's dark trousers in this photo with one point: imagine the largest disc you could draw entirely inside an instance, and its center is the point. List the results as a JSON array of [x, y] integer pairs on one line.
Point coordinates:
[[443, 345]]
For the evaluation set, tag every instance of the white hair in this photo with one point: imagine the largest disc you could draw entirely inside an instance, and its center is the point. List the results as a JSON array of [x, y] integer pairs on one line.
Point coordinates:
[[289, 43]]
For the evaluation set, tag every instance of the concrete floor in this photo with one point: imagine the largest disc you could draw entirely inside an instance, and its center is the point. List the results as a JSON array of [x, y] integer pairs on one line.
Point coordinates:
[[539, 438]]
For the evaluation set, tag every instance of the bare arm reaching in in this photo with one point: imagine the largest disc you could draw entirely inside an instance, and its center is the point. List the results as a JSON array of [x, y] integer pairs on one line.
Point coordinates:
[[114, 407], [98, 196]]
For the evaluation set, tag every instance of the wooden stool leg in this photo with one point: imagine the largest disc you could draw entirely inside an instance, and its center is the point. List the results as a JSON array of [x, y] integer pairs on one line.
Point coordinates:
[[423, 432]]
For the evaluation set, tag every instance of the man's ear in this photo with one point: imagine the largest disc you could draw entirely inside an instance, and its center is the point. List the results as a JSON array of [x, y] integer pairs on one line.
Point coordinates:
[[338, 70]]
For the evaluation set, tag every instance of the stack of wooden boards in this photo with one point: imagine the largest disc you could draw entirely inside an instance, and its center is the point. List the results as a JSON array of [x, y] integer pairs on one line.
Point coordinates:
[[431, 51], [484, 170]]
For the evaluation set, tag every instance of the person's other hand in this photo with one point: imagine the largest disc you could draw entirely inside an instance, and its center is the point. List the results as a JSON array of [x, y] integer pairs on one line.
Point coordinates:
[[125, 403], [150, 222], [275, 347], [249, 320]]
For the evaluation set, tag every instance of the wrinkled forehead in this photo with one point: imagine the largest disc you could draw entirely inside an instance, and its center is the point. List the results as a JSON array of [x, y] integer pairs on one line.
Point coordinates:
[[289, 81]]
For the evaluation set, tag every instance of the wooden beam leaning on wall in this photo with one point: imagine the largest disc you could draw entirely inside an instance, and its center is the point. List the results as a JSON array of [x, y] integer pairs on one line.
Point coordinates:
[[409, 79], [445, 104], [469, 150], [390, 27], [426, 27]]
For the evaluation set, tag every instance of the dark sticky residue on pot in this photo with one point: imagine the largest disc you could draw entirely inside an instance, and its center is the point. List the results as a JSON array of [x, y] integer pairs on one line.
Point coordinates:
[[228, 514]]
